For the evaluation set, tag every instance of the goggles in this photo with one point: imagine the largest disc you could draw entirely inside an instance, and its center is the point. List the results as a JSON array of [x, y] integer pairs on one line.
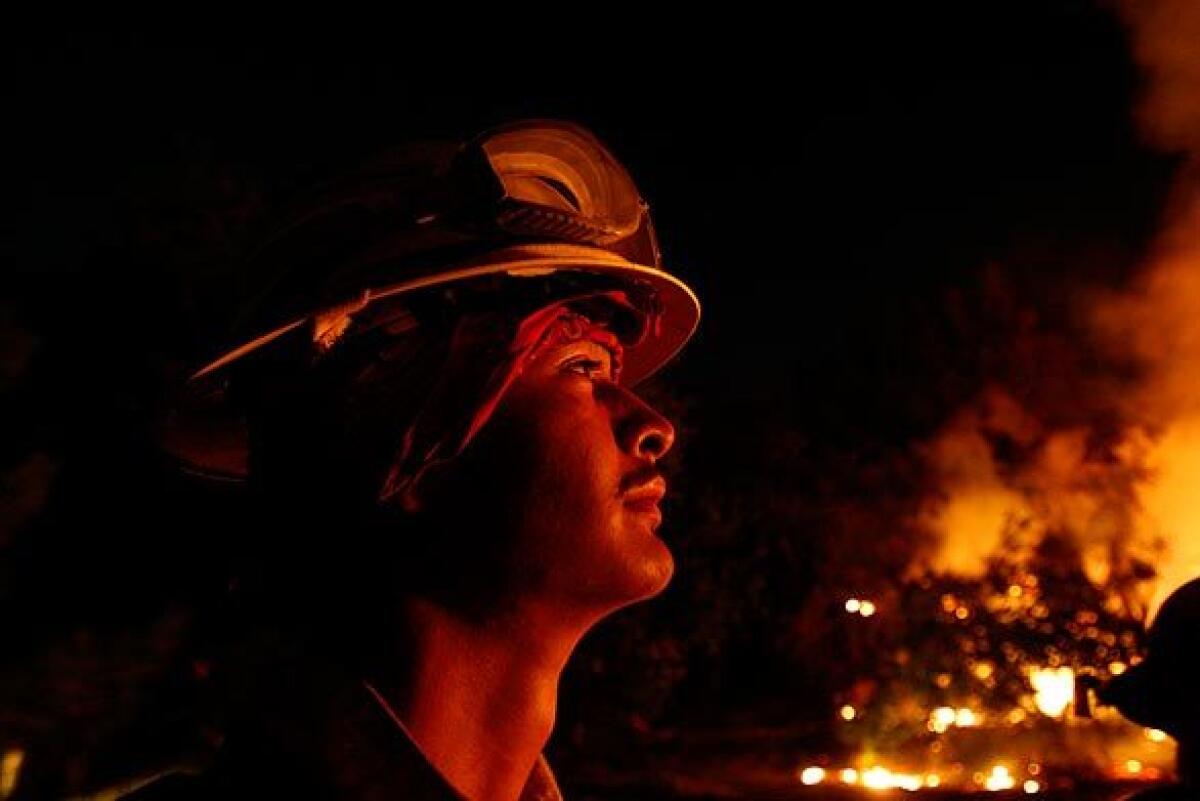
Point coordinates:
[[554, 180], [537, 203]]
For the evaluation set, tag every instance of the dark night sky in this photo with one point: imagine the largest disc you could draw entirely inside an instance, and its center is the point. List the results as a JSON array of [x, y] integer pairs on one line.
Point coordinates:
[[835, 186], [817, 180]]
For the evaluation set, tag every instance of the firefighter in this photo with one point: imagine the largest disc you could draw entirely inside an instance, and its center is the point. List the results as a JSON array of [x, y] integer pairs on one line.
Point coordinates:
[[432, 401]]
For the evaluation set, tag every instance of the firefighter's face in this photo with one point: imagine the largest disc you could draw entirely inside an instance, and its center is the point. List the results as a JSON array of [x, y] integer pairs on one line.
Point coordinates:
[[562, 487]]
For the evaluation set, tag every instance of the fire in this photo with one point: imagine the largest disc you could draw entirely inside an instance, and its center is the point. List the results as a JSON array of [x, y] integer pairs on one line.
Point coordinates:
[[1054, 688], [999, 779], [1123, 492], [944, 717], [880, 778], [856, 606], [1061, 522], [996, 777], [812, 775], [1002, 771], [941, 719], [966, 718]]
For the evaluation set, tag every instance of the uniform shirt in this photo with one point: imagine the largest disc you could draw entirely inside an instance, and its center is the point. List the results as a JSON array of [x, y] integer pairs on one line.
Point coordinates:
[[363, 753]]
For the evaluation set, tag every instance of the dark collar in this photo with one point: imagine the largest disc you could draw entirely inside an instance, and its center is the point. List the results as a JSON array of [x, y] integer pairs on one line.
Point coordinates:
[[356, 749]]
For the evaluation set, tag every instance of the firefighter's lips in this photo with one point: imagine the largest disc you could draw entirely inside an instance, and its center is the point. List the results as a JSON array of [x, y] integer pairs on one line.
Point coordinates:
[[644, 500]]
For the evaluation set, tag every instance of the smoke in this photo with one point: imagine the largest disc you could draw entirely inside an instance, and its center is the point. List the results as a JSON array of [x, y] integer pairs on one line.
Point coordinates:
[[1163, 35], [1124, 493]]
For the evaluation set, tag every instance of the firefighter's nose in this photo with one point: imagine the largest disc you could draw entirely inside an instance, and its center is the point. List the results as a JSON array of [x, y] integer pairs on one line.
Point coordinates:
[[643, 432]]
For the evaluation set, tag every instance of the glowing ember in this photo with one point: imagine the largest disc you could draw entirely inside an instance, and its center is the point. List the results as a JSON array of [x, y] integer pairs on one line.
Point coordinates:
[[856, 606], [965, 718], [880, 778], [993, 777], [941, 719], [999, 779], [983, 670], [877, 778], [1054, 688], [1156, 735], [989, 662], [812, 775], [848, 712]]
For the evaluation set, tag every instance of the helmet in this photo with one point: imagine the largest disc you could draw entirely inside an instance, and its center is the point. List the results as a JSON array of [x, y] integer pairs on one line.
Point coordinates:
[[535, 201], [1162, 691]]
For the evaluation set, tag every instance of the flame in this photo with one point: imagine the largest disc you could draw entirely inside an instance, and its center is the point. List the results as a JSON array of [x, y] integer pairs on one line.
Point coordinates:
[[977, 508], [878, 777], [944, 717], [999, 774], [1054, 689], [1014, 467], [1134, 503], [941, 719], [856, 606], [999, 779], [812, 775], [966, 718], [1169, 502]]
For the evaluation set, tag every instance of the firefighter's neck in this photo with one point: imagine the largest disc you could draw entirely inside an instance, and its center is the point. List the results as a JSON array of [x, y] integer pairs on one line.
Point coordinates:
[[478, 695]]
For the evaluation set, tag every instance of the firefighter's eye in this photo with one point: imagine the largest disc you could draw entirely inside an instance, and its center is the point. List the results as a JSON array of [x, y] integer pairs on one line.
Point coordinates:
[[588, 367]]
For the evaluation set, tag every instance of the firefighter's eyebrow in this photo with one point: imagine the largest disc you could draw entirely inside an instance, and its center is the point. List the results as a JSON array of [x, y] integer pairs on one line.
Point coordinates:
[[583, 346]]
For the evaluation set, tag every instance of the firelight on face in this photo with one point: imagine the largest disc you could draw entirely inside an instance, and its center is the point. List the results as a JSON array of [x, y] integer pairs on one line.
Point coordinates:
[[567, 465]]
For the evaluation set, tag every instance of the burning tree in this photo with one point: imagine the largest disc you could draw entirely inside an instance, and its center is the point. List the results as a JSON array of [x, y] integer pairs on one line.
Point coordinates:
[[970, 681]]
